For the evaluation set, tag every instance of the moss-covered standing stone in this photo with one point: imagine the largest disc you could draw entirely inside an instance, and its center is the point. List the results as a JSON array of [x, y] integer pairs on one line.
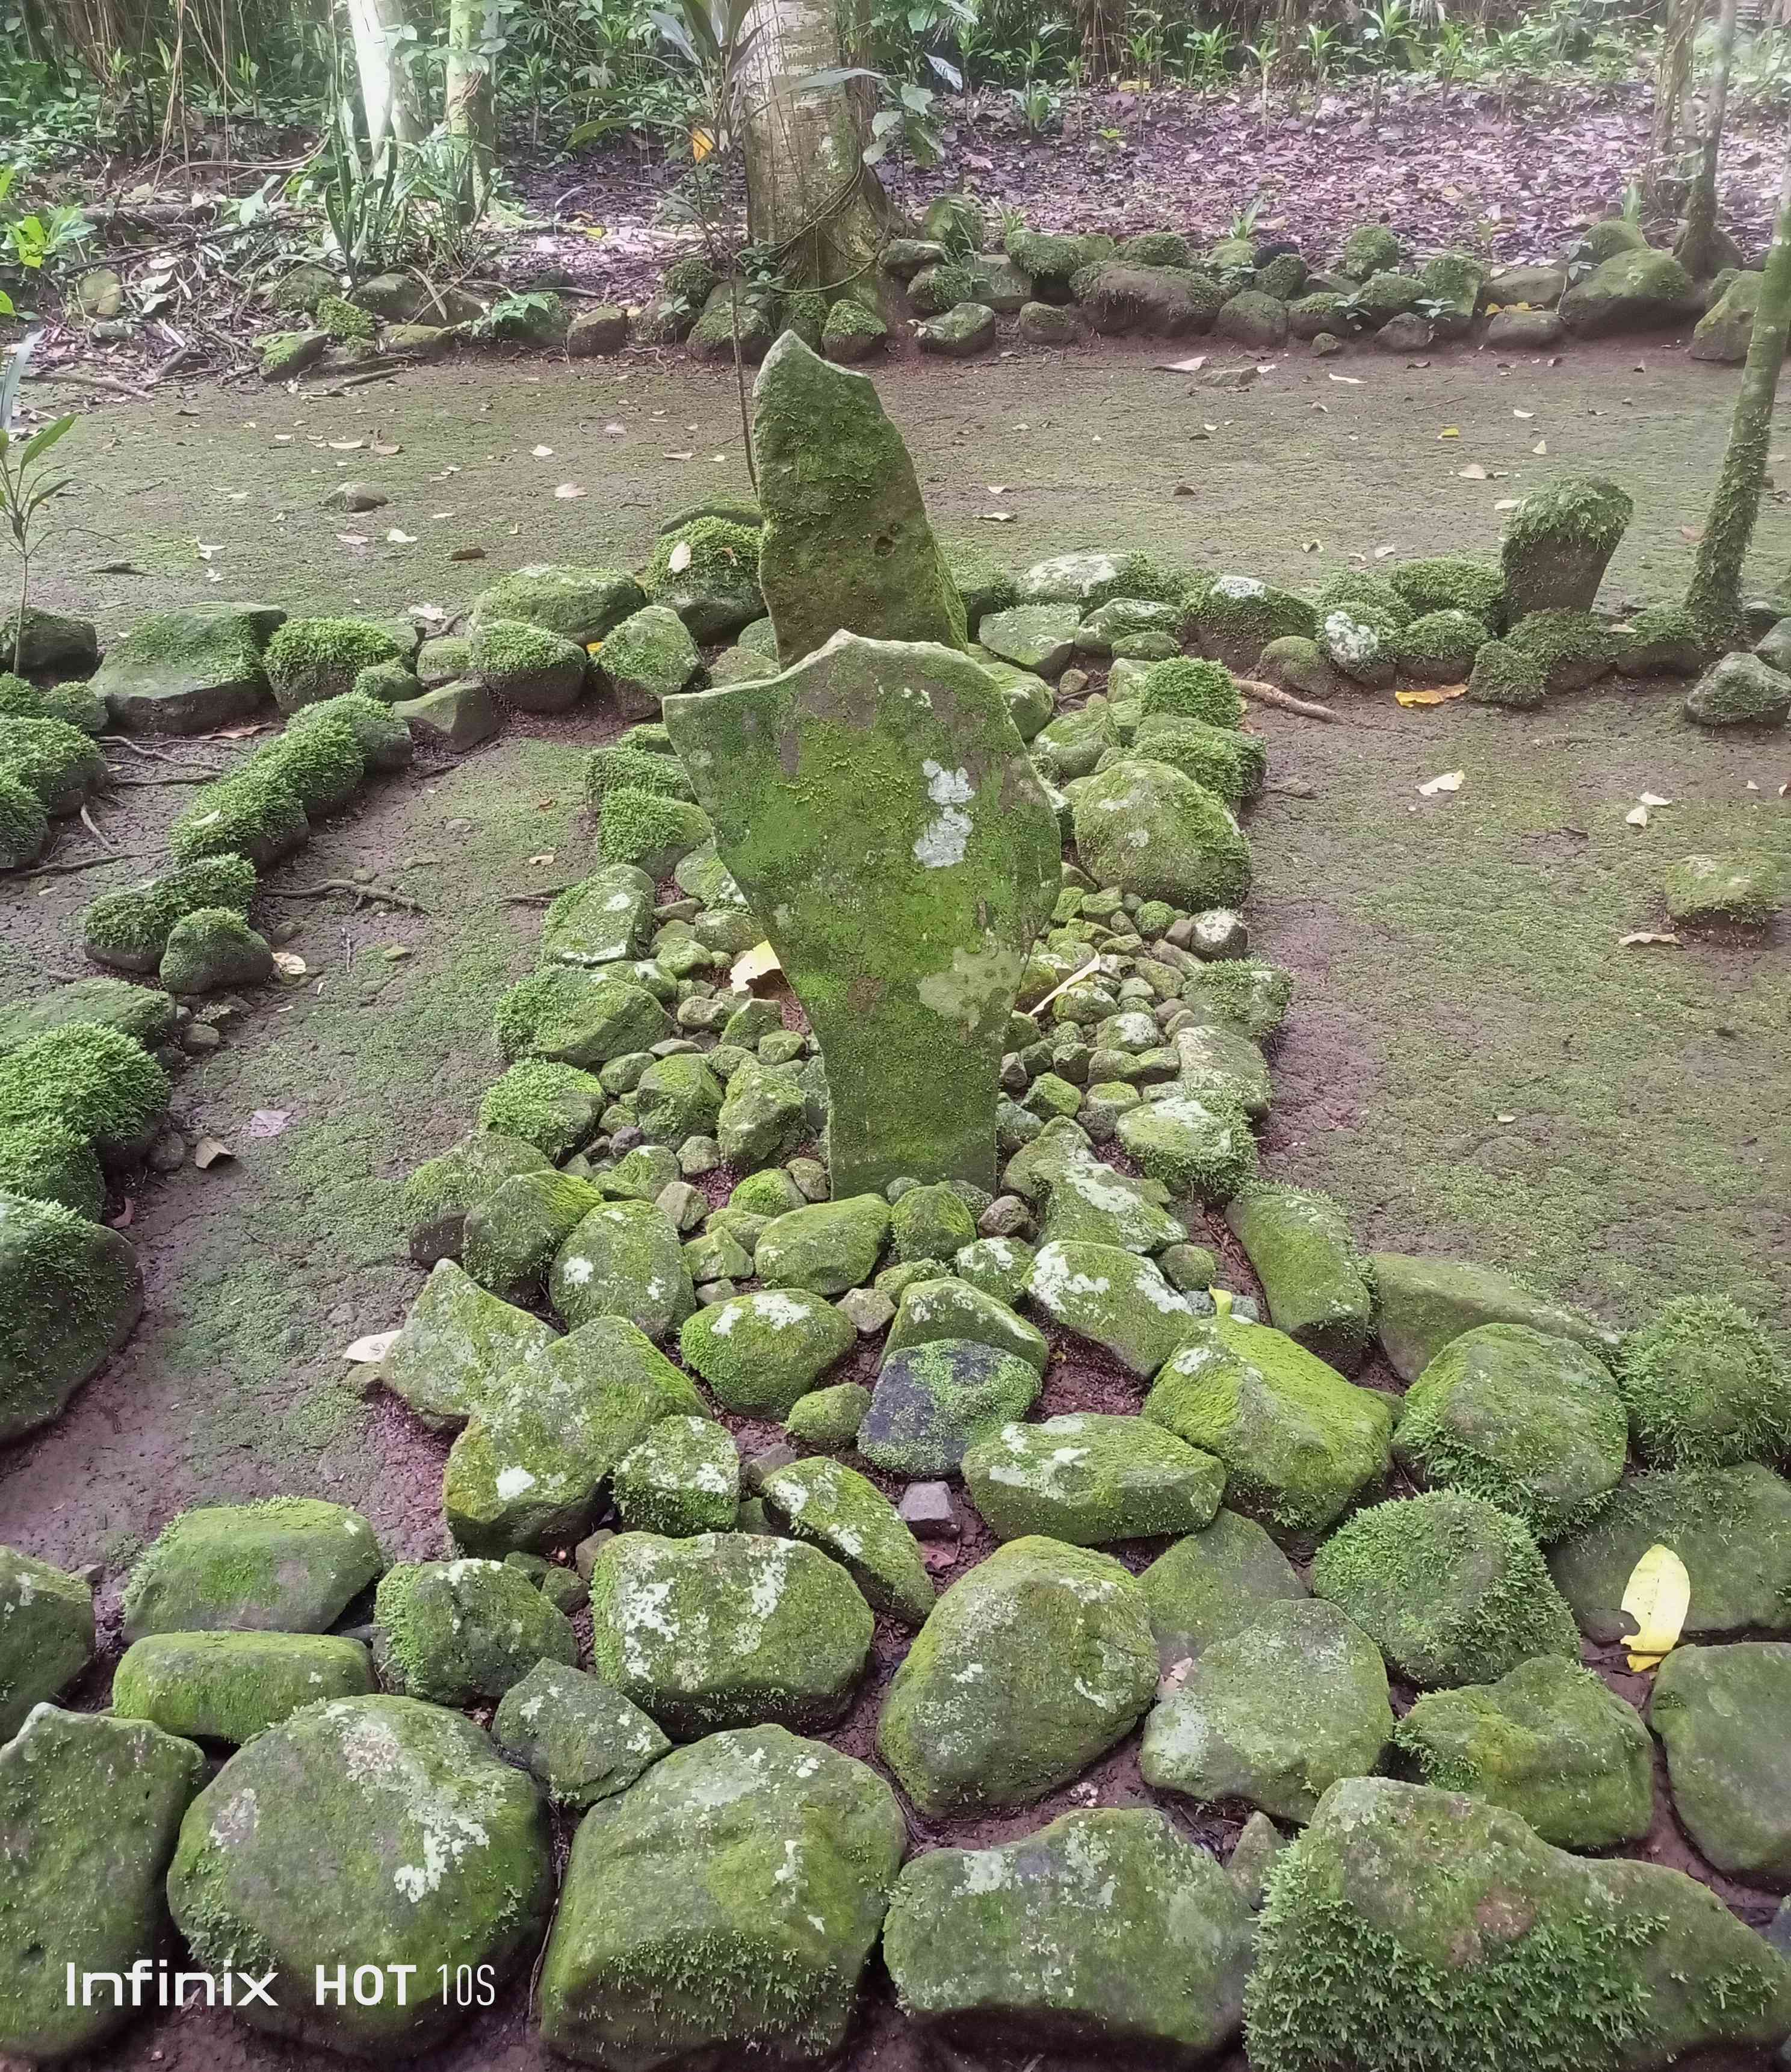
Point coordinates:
[[189, 670], [1548, 1741], [230, 1687], [1274, 1714], [1559, 542], [905, 943], [46, 1635], [728, 1629], [1087, 1479], [721, 1910], [1029, 1667], [288, 1563], [365, 1830], [453, 1632], [1107, 1932], [90, 1808], [1488, 1948]]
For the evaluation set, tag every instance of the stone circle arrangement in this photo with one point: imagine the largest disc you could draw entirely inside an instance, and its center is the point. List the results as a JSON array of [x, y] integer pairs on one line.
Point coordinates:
[[1255, 1706], [963, 285]]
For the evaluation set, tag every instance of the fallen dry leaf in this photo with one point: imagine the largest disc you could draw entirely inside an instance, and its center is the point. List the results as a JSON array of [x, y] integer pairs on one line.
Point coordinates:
[[678, 559], [1658, 1596], [569, 492], [681, 456], [1432, 695], [389, 447], [467, 554], [399, 538], [351, 539], [267, 1122], [1349, 380], [290, 962], [759, 962], [543, 453], [1523, 413], [1541, 446], [1637, 817], [205, 551], [1182, 366], [1507, 503], [1646, 935], [542, 856], [372, 1348], [1654, 799], [1691, 534], [208, 1151], [996, 517], [1451, 780], [1472, 472], [1381, 553], [1450, 432]]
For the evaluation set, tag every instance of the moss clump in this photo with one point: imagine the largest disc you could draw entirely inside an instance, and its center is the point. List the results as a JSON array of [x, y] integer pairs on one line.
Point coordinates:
[[1233, 765], [1451, 583], [24, 825], [18, 700], [1661, 639], [309, 658], [649, 830], [1352, 588], [321, 765], [1530, 1422], [528, 666], [1440, 647], [47, 1162], [98, 1083], [1571, 649], [1704, 1388], [388, 683], [256, 814], [1157, 248], [461, 1178], [555, 1107], [1244, 994], [719, 581], [1370, 249], [1452, 1589], [53, 759], [1241, 614], [1506, 675], [214, 947], [851, 330], [129, 928], [612, 768], [383, 738], [1609, 237], [1190, 688], [343, 321], [1589, 511], [1052, 262]]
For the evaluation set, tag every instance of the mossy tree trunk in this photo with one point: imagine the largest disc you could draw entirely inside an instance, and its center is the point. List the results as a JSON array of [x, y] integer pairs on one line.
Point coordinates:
[[809, 196], [1696, 249], [475, 36], [384, 34], [1672, 72], [1714, 597]]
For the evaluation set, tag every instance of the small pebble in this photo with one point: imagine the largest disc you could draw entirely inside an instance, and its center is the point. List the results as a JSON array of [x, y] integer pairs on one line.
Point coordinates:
[[928, 1511]]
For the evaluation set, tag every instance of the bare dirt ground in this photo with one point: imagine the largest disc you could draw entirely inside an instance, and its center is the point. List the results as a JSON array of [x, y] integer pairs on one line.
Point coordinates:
[[1458, 957]]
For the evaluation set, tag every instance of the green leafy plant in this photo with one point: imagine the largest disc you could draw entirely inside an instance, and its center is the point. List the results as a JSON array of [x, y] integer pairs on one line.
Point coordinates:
[[28, 486], [1040, 108]]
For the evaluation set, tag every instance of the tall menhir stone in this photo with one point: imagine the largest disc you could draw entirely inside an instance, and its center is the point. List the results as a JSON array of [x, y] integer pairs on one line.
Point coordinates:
[[1559, 543], [846, 545], [878, 810]]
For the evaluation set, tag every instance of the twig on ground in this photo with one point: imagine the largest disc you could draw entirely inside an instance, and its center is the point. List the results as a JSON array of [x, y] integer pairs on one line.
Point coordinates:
[[72, 377], [157, 754], [86, 863], [97, 831], [360, 381], [528, 899], [130, 784], [1270, 694], [1292, 789], [363, 894]]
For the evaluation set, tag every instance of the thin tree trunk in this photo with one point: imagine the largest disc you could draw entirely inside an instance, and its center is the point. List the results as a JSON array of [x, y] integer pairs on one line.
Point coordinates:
[[388, 96], [1714, 599], [1670, 76], [475, 31], [809, 196], [1696, 249]]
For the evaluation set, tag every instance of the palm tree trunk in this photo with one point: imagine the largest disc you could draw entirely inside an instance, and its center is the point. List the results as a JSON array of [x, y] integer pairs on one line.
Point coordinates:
[[1696, 249], [1714, 599], [475, 34]]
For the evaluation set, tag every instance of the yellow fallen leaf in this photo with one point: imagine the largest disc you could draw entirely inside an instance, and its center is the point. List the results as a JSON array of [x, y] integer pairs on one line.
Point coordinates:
[[1541, 446], [1222, 1301], [701, 144], [1451, 780], [1434, 695], [759, 962], [1450, 432], [1657, 1597]]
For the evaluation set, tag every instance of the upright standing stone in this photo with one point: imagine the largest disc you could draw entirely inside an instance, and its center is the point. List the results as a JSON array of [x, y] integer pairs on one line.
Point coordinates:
[[846, 545], [1559, 543], [878, 810]]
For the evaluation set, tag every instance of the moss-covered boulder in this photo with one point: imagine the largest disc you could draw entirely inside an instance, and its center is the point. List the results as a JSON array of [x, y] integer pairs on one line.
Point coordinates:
[[1087, 1479], [528, 666], [1426, 1302], [1123, 297], [1451, 583], [1660, 640], [1149, 830], [826, 1248], [48, 640], [1731, 1527], [580, 604], [648, 658], [46, 1161], [1195, 1139], [213, 947], [653, 832], [827, 1420], [90, 1808], [256, 814], [728, 1629], [1548, 1741], [189, 670], [1746, 890], [511, 1234], [953, 1309], [1213, 1584], [71, 1292], [1488, 1948], [129, 929], [456, 1344], [443, 1189], [624, 1259], [706, 572], [681, 1479], [1231, 765], [853, 331], [1453, 1589], [1740, 690], [24, 825], [309, 659], [763, 1115], [1570, 649], [846, 541], [1274, 1714], [761, 1352], [53, 760], [1052, 259], [376, 1830], [603, 919], [1221, 1065], [723, 1908], [1300, 1444], [1107, 1934], [92, 1078], [1369, 249], [579, 1740], [1085, 1201], [1031, 1666], [1040, 638], [46, 1636], [1533, 1424], [286, 1564], [527, 1470], [231, 1686], [677, 1097], [1559, 543], [1723, 1715], [454, 1632], [934, 1400], [1113, 1298], [964, 330], [1628, 292], [949, 824], [837, 1510]]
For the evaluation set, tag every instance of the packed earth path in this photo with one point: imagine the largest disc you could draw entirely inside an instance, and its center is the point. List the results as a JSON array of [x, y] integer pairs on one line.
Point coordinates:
[[1475, 1064]]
